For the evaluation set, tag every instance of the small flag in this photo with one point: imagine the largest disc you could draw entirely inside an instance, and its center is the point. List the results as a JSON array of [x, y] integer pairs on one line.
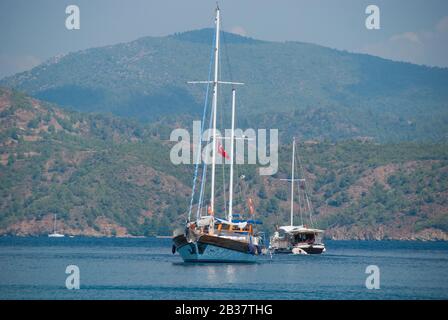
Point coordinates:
[[223, 152]]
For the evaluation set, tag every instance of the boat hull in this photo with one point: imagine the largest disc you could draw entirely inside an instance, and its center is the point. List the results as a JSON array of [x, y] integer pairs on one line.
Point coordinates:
[[314, 249], [56, 235], [309, 249], [213, 249]]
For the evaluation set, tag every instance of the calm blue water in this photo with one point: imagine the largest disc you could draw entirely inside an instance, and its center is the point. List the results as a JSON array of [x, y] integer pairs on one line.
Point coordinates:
[[34, 268]]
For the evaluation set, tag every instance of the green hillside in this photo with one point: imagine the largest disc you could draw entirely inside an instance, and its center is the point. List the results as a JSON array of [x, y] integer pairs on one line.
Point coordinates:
[[100, 174], [303, 89], [105, 175]]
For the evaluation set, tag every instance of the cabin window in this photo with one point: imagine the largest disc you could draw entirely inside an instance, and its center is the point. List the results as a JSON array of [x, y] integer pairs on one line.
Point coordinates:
[[304, 238]]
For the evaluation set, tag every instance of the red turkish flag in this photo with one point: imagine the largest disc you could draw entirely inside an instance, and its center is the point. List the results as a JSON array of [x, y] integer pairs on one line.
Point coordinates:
[[223, 152]]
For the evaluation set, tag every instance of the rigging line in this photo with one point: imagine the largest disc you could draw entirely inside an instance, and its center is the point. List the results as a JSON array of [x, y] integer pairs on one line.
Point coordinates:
[[306, 191], [204, 173], [237, 172], [224, 185], [300, 202], [226, 53], [309, 203], [242, 192], [223, 160], [237, 188], [309, 209], [296, 155], [300, 206], [239, 197], [193, 191], [204, 177]]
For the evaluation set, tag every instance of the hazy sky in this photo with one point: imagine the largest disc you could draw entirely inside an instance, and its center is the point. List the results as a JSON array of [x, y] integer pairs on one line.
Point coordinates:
[[411, 30]]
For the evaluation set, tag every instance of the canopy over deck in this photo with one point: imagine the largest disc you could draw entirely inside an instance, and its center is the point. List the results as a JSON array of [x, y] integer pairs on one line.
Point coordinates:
[[299, 229]]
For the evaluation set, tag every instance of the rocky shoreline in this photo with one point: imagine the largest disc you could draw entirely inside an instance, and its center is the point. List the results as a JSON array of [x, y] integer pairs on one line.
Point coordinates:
[[356, 233], [108, 229]]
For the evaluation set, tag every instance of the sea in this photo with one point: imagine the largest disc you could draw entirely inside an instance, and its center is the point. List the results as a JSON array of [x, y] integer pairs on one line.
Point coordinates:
[[145, 268]]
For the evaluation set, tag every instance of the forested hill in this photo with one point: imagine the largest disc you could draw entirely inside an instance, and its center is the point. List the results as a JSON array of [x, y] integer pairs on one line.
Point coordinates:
[[302, 89], [101, 175], [106, 176]]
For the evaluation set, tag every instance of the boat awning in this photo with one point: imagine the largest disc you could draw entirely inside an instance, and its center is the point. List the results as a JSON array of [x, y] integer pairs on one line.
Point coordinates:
[[248, 221], [237, 224], [204, 221], [300, 229]]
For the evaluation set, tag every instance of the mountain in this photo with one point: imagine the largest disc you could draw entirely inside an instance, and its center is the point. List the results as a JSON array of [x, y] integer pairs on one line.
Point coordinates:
[[302, 89], [105, 176], [100, 174]]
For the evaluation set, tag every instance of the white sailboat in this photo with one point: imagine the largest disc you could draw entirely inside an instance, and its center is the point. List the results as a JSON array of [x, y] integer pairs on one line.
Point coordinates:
[[209, 238], [55, 234], [298, 239]]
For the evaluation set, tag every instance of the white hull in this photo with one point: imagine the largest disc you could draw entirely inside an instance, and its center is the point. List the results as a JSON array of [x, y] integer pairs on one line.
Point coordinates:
[[56, 235]]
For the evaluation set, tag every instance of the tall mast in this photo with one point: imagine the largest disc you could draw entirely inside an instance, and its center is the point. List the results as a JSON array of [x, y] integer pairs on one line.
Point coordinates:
[[214, 108], [231, 157], [54, 224], [292, 180]]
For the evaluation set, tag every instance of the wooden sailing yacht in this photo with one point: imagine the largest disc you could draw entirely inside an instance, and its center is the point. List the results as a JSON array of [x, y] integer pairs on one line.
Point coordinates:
[[209, 238], [298, 239]]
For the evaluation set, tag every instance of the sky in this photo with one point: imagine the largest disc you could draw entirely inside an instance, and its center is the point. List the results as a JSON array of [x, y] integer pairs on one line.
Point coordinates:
[[410, 30]]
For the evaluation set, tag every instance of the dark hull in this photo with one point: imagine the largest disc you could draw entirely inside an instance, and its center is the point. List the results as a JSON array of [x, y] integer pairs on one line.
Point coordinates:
[[313, 250], [212, 249], [309, 250]]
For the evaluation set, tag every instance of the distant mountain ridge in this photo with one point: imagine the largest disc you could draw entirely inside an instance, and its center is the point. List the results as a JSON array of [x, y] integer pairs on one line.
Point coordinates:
[[302, 89], [207, 34]]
